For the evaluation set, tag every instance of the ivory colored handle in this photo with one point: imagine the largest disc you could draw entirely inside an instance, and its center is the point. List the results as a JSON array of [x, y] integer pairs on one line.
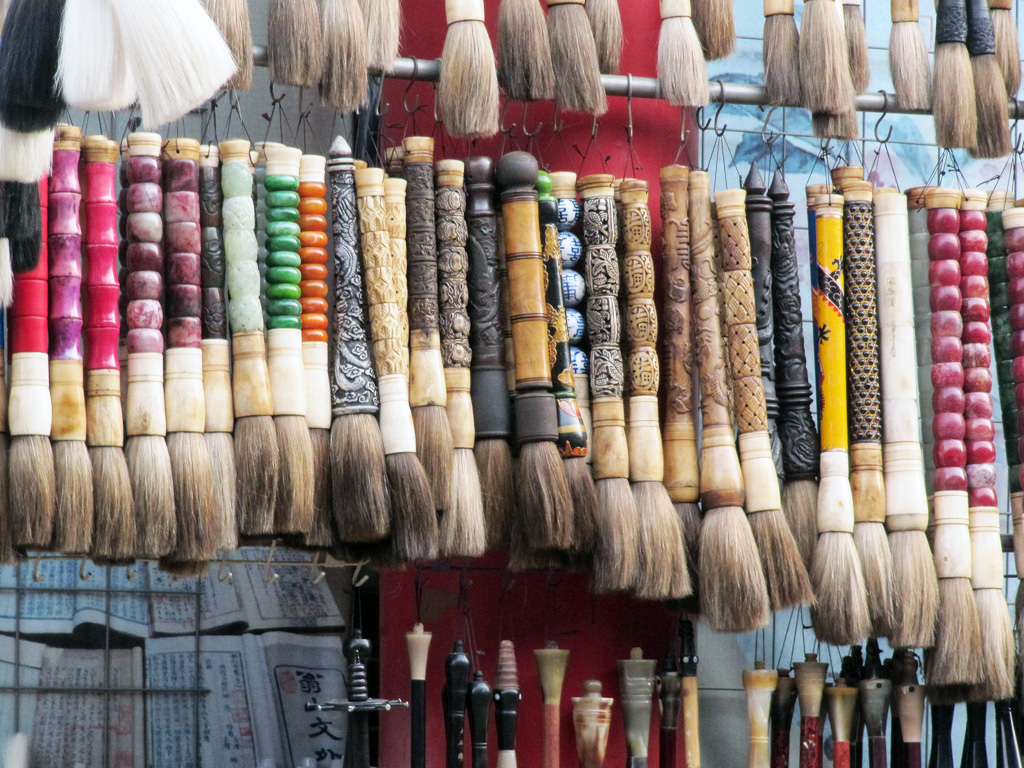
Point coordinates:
[[611, 446], [866, 483], [426, 369], [287, 373], [759, 684], [104, 419], [67, 396], [460, 407], [318, 384], [29, 410], [183, 386], [396, 427], [220, 408], [1017, 514], [986, 548], [250, 382], [835, 497], [691, 723], [951, 540], [144, 411]]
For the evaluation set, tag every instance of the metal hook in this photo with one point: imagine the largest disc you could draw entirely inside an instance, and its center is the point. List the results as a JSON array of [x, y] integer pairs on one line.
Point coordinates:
[[719, 132], [408, 88], [769, 137], [629, 107], [881, 117], [224, 575], [269, 575], [83, 574], [506, 129], [703, 126], [535, 131]]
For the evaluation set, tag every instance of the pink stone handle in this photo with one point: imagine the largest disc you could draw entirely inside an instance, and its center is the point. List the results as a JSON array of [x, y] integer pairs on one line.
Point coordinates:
[[64, 243], [183, 244], [1014, 239], [102, 324], [144, 259]]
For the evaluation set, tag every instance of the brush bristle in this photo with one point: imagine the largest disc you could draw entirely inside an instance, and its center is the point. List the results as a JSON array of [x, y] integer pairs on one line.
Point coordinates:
[[800, 506], [343, 83], [183, 569], [584, 504], [293, 510], [195, 498], [681, 67], [733, 594], [574, 59], [876, 565], [606, 24], [221, 446], [29, 99], [92, 69], [73, 522], [784, 569], [909, 65], [913, 570], [295, 42], [525, 51], [993, 136], [857, 47], [113, 537], [383, 20], [6, 274], [689, 519], [823, 59], [413, 517], [954, 659], [715, 27], [25, 158], [32, 491], [953, 104], [149, 467], [320, 535], [543, 499], [617, 549], [948, 694], [436, 451], [23, 217], [663, 571], [997, 646], [257, 467], [177, 54], [840, 615], [467, 94], [494, 464], [1007, 53], [462, 532], [361, 504], [7, 553], [842, 127], [780, 47], [232, 19]]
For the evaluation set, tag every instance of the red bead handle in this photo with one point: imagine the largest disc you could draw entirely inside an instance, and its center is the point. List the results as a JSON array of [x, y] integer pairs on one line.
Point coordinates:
[[64, 246], [810, 742], [102, 287], [29, 313], [1014, 240]]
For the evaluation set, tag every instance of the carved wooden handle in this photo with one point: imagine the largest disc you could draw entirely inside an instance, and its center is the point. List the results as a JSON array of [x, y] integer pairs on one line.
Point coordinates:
[[395, 216]]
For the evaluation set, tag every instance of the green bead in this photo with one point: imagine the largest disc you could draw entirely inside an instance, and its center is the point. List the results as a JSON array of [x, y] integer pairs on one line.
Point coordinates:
[[278, 275], [282, 199], [283, 243], [282, 229], [284, 291], [284, 308], [285, 323], [544, 186], [278, 183], [282, 214], [283, 259]]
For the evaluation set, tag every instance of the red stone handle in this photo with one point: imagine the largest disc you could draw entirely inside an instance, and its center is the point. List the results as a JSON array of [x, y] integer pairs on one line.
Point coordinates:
[[28, 315]]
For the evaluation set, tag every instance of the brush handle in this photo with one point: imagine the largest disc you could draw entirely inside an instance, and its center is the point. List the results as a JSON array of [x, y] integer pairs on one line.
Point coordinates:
[[240, 246], [353, 382], [903, 10], [828, 303], [951, 22], [679, 437], [800, 445], [810, 739], [591, 717], [1007, 747], [975, 754], [313, 248], [942, 736], [506, 704], [491, 406], [910, 719], [418, 645], [572, 433], [64, 244], [783, 704], [426, 382], [636, 689], [478, 704], [259, 160], [505, 305], [1013, 225], [211, 221], [122, 244], [920, 265], [453, 699], [721, 481], [759, 683], [670, 687], [981, 36], [551, 664]]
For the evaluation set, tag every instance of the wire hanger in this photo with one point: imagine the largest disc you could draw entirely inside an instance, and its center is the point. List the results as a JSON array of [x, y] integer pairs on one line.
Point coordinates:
[[633, 163]]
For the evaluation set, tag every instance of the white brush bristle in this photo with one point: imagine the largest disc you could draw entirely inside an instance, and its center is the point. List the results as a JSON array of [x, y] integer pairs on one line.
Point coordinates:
[[92, 69], [6, 274], [178, 55], [25, 157]]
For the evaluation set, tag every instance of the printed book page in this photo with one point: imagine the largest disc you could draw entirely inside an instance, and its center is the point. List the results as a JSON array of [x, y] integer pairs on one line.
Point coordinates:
[[26, 674]]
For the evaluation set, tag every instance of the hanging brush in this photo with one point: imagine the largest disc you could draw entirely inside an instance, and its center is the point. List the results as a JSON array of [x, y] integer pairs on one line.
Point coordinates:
[[606, 24], [31, 484], [343, 82], [1007, 52], [856, 44], [92, 67], [383, 20], [219, 407], [23, 223], [574, 59], [841, 126], [908, 57], [177, 54], [716, 29], [592, 718], [636, 691], [993, 136], [759, 686], [467, 93], [525, 51], [462, 528], [681, 68], [491, 407], [824, 60], [551, 664], [113, 538], [780, 44], [7, 553], [295, 45], [232, 19], [953, 104]]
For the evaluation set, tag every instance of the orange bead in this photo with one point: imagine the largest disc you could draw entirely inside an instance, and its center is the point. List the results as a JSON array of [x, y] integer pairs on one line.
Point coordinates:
[[312, 189], [313, 289], [313, 305], [313, 271], [312, 238], [314, 322], [314, 336], [313, 255], [313, 205], [312, 222]]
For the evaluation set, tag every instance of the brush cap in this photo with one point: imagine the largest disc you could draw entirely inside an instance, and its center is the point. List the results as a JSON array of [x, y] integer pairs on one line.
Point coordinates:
[[730, 203], [283, 161], [463, 10], [369, 182], [209, 156], [142, 144], [1013, 218], [312, 169], [682, 9], [596, 185], [67, 137], [916, 198], [841, 705], [942, 197], [235, 149], [551, 664], [999, 200], [874, 703], [517, 170], [181, 149], [857, 191], [815, 192], [99, 149], [810, 684], [449, 173], [974, 200], [418, 149], [846, 173], [563, 184], [889, 201]]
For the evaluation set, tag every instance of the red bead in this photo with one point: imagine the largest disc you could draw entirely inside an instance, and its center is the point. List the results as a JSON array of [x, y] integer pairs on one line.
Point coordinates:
[[947, 349], [981, 452], [948, 375], [977, 356], [943, 220], [944, 272], [1015, 289], [973, 262], [948, 400], [1018, 342], [944, 246], [977, 380], [948, 426], [982, 497], [1018, 370], [1013, 240], [973, 285], [950, 479], [977, 405], [1018, 400], [973, 220], [945, 324], [950, 453], [976, 309], [1017, 317], [979, 429], [976, 332], [945, 298]]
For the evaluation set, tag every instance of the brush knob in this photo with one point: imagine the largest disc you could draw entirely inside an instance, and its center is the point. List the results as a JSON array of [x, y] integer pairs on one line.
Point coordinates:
[[517, 170]]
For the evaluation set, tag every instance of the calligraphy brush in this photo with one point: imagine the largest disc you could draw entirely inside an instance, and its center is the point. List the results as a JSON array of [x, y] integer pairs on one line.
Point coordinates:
[[551, 664], [506, 704], [954, 106], [346, 53], [993, 129], [1005, 29], [781, 716], [908, 57], [232, 19], [453, 700], [591, 718], [682, 70], [841, 705], [478, 705], [92, 67], [823, 59], [670, 700], [525, 51], [467, 92], [810, 687], [715, 26], [606, 24], [418, 644], [295, 45], [856, 44], [759, 684], [841, 125], [383, 20], [7, 554], [780, 40], [574, 59]]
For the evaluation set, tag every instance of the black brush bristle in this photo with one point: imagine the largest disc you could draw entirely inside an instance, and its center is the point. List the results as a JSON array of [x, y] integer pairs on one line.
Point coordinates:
[[25, 255], [22, 224], [29, 99], [3, 208]]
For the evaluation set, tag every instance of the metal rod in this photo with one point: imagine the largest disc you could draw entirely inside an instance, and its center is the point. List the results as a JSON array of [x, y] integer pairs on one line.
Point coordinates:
[[104, 690]]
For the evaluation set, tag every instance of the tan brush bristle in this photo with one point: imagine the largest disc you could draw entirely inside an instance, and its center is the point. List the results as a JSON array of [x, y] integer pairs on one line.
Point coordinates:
[[383, 19], [689, 518], [494, 462], [346, 56], [413, 519], [257, 466], [462, 531], [232, 19], [953, 105], [293, 510], [1007, 53], [574, 59], [785, 574], [663, 571], [467, 92], [525, 51], [617, 550], [840, 615], [113, 538], [32, 491], [362, 504], [715, 27], [948, 694], [543, 499], [997, 655], [436, 451], [780, 48], [7, 553], [73, 521], [993, 136], [733, 592], [606, 24], [918, 590], [221, 447], [842, 127], [823, 59], [195, 498], [954, 659], [876, 565], [909, 65], [799, 504], [149, 467], [295, 42], [681, 67], [857, 47], [584, 503], [319, 535]]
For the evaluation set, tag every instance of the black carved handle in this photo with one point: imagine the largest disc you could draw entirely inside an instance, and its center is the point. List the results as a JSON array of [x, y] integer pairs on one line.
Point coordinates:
[[951, 22], [453, 697], [981, 37], [942, 736], [478, 702], [214, 312], [1002, 340]]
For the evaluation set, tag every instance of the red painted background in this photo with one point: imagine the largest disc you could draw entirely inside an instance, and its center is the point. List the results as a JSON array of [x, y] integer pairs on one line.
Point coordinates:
[[528, 608]]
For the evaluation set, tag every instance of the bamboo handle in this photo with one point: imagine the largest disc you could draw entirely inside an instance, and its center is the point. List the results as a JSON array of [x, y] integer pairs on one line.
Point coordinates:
[[591, 716], [903, 10], [759, 684], [691, 722]]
